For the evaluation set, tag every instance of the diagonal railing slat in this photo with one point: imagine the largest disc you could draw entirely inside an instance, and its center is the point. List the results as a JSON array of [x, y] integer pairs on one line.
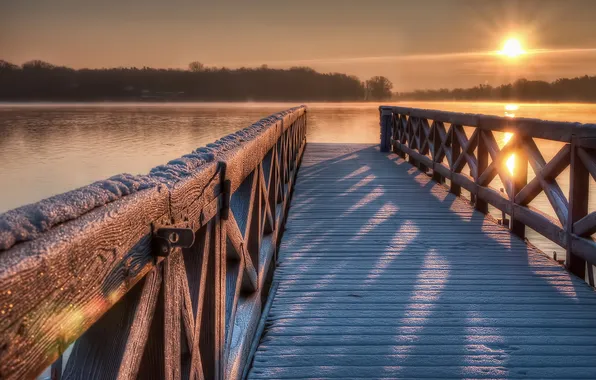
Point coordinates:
[[136, 307], [573, 225]]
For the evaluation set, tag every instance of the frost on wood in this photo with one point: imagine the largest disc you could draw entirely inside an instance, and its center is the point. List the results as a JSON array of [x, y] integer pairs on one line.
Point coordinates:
[[28, 222]]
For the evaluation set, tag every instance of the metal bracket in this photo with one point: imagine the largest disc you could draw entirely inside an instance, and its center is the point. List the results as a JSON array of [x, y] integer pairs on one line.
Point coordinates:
[[166, 239]]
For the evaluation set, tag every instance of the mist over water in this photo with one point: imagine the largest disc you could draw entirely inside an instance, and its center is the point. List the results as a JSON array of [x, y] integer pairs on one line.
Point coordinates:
[[47, 149]]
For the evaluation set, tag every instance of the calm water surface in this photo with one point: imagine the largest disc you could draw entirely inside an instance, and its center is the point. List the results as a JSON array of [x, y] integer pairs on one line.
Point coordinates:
[[48, 149]]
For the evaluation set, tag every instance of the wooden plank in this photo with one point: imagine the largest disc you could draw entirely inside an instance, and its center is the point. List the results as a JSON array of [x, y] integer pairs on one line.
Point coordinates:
[[438, 131], [250, 280], [548, 173], [589, 160], [82, 268], [557, 164], [551, 188], [190, 196], [585, 248], [85, 264], [203, 261], [551, 130], [442, 170], [579, 188], [242, 161], [540, 222], [187, 312], [386, 269], [586, 226], [495, 198], [465, 181], [249, 304], [424, 144], [455, 150], [268, 202], [587, 142], [210, 321], [467, 154], [139, 331], [386, 123], [98, 353], [419, 158], [254, 229], [519, 181], [497, 165], [482, 162], [172, 312], [557, 199]]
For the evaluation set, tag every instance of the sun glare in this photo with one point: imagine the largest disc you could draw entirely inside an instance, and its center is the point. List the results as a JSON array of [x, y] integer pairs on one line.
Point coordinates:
[[510, 163], [512, 48]]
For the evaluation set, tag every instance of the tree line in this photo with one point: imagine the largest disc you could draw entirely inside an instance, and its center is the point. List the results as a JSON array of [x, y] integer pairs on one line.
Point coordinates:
[[41, 81], [579, 89]]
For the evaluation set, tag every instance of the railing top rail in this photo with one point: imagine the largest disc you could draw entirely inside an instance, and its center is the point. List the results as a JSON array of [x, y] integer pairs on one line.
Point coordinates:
[[66, 261], [445, 150], [29, 222], [544, 129]]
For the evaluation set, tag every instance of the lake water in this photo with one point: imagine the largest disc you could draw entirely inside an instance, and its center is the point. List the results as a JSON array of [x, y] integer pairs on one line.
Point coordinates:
[[47, 149]]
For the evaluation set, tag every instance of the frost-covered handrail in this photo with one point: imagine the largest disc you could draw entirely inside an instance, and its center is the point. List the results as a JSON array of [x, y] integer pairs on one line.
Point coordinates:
[[436, 141], [28, 222], [85, 265]]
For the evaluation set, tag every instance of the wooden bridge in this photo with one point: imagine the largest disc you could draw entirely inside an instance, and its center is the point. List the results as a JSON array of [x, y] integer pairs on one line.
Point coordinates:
[[260, 256]]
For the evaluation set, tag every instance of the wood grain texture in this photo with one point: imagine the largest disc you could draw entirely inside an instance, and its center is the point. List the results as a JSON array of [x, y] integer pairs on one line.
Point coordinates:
[[482, 155], [190, 196], [244, 303], [54, 288], [98, 353], [579, 189], [139, 331], [552, 130], [172, 315], [68, 283], [481, 147], [385, 274], [586, 226]]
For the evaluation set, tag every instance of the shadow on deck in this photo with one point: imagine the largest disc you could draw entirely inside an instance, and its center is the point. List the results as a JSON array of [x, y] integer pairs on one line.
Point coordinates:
[[384, 274]]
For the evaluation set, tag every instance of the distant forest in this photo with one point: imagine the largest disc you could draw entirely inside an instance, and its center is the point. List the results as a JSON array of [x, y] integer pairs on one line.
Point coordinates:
[[42, 81], [580, 89]]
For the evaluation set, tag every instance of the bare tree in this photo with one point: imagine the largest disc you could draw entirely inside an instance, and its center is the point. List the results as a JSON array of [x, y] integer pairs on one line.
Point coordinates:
[[378, 88], [37, 64], [196, 67]]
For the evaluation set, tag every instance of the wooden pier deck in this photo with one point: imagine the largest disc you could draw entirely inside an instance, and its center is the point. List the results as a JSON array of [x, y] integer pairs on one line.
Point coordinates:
[[385, 274], [262, 256]]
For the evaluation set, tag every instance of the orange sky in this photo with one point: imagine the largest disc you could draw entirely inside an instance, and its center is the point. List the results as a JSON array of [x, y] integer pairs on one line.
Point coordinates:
[[417, 44]]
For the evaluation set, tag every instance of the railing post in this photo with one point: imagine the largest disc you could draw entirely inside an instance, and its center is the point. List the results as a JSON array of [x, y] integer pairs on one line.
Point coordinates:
[[455, 149], [386, 123], [519, 179], [578, 207], [421, 147], [412, 139], [400, 135], [436, 147], [482, 163]]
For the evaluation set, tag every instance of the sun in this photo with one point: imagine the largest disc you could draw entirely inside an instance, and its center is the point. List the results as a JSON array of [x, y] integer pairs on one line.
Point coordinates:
[[512, 48]]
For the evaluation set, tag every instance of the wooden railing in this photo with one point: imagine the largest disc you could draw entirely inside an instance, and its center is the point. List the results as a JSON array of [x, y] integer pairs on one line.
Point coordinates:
[[437, 143], [165, 283]]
